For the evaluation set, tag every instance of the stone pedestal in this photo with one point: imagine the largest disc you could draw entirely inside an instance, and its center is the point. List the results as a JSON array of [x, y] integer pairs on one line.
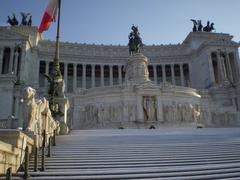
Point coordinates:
[[63, 104], [137, 69]]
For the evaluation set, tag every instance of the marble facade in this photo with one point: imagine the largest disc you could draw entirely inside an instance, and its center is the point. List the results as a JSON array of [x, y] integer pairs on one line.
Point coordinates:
[[195, 82]]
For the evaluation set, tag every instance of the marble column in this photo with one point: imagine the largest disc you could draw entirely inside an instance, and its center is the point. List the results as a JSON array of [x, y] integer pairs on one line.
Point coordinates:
[[10, 69], [155, 73], [74, 77], [22, 73], [102, 75], [164, 73], [1, 58], [236, 62], [47, 73], [173, 74], [16, 62], [230, 74], [84, 76], [93, 75], [66, 76], [190, 72], [120, 74], [182, 75], [159, 110], [111, 74]]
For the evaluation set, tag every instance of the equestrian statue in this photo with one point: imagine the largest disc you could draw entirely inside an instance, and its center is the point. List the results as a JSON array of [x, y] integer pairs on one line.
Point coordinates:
[[135, 42]]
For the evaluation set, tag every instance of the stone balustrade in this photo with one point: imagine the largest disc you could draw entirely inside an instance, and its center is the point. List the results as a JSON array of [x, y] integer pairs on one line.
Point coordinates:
[[12, 149]]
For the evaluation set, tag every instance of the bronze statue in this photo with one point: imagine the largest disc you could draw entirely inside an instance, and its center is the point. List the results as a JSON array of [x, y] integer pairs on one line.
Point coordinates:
[[30, 21], [24, 18], [135, 42], [211, 27], [207, 27], [12, 21], [200, 26], [197, 26]]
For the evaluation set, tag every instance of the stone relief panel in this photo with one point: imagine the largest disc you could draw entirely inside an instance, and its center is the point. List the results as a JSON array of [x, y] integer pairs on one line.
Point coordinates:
[[224, 119], [106, 115], [177, 113], [150, 108]]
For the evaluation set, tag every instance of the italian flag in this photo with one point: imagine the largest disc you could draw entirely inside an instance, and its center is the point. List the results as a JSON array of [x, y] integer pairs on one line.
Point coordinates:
[[49, 15]]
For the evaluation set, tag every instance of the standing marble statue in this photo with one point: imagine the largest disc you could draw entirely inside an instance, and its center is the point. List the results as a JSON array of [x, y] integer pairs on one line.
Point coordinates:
[[36, 113]]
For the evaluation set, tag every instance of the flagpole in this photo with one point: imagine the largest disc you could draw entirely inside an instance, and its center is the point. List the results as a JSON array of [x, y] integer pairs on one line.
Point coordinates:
[[57, 71], [57, 80]]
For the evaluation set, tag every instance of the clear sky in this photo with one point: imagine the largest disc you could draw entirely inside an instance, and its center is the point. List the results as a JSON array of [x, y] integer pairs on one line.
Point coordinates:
[[109, 21]]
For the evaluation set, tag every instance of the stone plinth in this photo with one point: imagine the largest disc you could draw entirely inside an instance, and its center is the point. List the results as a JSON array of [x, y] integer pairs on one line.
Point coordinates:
[[137, 69], [63, 107]]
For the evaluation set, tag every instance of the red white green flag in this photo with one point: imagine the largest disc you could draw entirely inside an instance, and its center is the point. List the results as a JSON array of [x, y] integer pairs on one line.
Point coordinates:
[[49, 15]]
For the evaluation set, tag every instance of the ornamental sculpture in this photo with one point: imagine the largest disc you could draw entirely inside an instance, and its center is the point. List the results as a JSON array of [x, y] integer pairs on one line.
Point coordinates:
[[135, 42], [197, 26], [26, 20]]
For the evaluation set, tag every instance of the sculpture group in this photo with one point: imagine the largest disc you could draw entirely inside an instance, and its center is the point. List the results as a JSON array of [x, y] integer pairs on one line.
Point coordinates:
[[135, 41], [197, 26], [26, 20], [36, 114], [181, 113]]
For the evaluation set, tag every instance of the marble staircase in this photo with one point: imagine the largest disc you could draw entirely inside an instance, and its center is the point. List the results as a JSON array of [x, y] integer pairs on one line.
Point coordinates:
[[166, 154]]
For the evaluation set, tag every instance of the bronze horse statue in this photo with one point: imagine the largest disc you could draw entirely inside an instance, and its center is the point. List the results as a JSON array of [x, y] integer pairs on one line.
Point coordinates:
[[12, 21], [135, 42]]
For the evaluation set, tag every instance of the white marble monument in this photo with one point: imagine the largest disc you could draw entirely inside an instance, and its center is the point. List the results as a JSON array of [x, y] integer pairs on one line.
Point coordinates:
[[171, 87]]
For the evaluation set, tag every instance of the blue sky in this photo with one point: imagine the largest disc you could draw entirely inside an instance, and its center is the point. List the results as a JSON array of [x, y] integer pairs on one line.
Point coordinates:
[[109, 21]]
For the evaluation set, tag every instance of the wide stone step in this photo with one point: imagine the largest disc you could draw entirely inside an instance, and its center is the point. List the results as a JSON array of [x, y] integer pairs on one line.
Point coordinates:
[[191, 173], [132, 159], [185, 154]]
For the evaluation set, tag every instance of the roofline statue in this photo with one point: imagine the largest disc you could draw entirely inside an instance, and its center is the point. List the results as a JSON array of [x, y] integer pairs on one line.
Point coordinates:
[[198, 27], [25, 20], [12, 21]]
